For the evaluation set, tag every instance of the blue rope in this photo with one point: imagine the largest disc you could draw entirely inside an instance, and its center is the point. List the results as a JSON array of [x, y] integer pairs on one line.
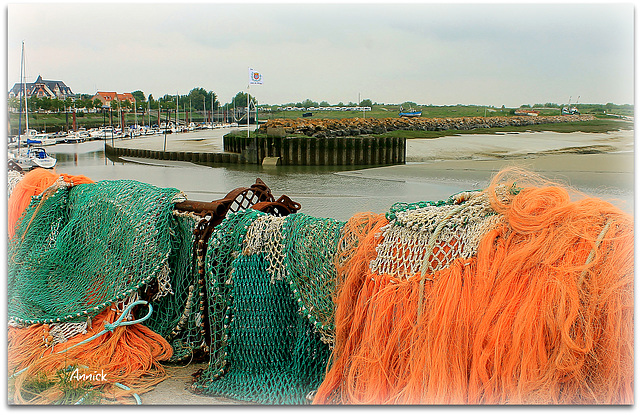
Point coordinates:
[[109, 327], [135, 395]]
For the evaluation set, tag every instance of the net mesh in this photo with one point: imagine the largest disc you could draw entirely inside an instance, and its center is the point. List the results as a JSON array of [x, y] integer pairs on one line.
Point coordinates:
[[13, 178], [78, 249], [428, 237], [175, 297], [269, 293]]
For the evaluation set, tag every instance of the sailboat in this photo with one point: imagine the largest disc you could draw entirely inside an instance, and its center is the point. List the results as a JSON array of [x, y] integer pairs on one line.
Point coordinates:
[[569, 110], [33, 156]]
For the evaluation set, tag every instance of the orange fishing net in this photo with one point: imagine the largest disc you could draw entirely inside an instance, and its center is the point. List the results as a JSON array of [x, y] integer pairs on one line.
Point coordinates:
[[128, 355], [32, 184], [542, 314]]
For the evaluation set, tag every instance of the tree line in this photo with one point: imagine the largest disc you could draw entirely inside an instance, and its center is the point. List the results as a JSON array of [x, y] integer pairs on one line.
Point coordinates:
[[198, 99]]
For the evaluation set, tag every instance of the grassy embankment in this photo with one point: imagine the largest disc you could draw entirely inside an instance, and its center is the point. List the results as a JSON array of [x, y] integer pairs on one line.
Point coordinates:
[[595, 126], [599, 125]]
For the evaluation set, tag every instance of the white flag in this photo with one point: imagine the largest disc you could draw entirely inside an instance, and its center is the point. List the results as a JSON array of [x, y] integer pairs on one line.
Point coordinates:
[[255, 77]]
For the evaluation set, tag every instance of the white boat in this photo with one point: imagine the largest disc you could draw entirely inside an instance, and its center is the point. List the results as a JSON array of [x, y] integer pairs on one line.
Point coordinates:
[[40, 139], [94, 133], [83, 133], [104, 133], [41, 158], [33, 157], [74, 137]]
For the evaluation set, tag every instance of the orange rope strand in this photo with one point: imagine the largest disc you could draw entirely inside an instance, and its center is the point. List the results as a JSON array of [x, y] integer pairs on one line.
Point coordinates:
[[543, 314], [33, 184], [129, 355]]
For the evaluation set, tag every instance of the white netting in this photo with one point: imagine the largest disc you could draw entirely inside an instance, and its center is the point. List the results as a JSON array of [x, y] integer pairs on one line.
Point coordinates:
[[265, 236], [428, 239], [61, 332], [164, 283], [13, 178]]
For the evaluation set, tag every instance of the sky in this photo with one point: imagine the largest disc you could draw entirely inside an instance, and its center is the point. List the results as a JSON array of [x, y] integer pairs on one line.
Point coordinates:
[[441, 54]]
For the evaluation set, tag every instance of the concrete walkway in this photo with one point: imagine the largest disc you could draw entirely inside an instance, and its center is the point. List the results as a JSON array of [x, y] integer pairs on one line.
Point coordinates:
[[198, 141]]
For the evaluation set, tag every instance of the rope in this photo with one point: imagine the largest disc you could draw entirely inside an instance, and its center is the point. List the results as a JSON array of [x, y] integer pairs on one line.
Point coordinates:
[[108, 327], [593, 252], [135, 395]]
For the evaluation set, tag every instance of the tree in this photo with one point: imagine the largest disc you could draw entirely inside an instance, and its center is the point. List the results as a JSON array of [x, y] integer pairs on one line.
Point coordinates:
[[197, 97], [325, 104], [57, 105], [366, 103], [308, 103], [33, 103], [139, 96], [240, 100], [14, 103]]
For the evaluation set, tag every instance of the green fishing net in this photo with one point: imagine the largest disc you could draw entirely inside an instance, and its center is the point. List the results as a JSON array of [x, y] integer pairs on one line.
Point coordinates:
[[269, 288], [78, 249], [177, 316]]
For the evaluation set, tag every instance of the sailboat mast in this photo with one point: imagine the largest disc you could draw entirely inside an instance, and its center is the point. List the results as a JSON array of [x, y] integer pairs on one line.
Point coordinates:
[[20, 99], [248, 101], [24, 84]]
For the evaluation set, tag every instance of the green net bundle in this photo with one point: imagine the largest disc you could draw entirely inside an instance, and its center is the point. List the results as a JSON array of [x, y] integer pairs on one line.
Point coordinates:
[[78, 249], [177, 316], [269, 287]]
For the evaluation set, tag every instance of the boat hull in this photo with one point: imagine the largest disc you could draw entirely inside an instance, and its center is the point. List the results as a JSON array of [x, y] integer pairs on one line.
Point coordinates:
[[410, 114]]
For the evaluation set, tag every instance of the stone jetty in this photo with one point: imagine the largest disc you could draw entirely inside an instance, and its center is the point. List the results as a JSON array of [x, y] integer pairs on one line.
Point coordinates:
[[325, 128]]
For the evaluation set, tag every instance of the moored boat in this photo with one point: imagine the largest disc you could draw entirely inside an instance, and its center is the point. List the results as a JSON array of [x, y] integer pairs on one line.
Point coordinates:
[[74, 137], [526, 113], [410, 113], [33, 157]]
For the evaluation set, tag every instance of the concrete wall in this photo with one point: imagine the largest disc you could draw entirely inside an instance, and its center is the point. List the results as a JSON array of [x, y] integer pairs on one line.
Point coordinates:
[[315, 151], [195, 157]]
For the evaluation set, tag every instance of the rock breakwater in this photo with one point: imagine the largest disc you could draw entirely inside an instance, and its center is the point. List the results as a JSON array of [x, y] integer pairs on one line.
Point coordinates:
[[327, 128]]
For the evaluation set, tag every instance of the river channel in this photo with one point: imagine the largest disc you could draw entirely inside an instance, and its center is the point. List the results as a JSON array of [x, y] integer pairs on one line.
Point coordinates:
[[598, 164]]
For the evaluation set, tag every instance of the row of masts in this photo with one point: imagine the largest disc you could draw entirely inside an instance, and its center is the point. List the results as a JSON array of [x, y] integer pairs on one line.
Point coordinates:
[[23, 90]]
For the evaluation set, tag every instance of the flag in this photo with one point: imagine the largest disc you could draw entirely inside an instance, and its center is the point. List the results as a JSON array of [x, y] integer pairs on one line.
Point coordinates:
[[255, 77]]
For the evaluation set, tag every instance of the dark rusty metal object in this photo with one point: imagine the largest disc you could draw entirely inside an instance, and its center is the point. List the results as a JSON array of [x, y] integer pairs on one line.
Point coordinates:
[[281, 207], [235, 200], [15, 166]]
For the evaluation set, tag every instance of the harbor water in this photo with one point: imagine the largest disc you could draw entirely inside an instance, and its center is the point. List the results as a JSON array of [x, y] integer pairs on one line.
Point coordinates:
[[598, 164]]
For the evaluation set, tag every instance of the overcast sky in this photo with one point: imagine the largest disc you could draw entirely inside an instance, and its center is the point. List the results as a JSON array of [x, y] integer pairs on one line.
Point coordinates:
[[498, 54]]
